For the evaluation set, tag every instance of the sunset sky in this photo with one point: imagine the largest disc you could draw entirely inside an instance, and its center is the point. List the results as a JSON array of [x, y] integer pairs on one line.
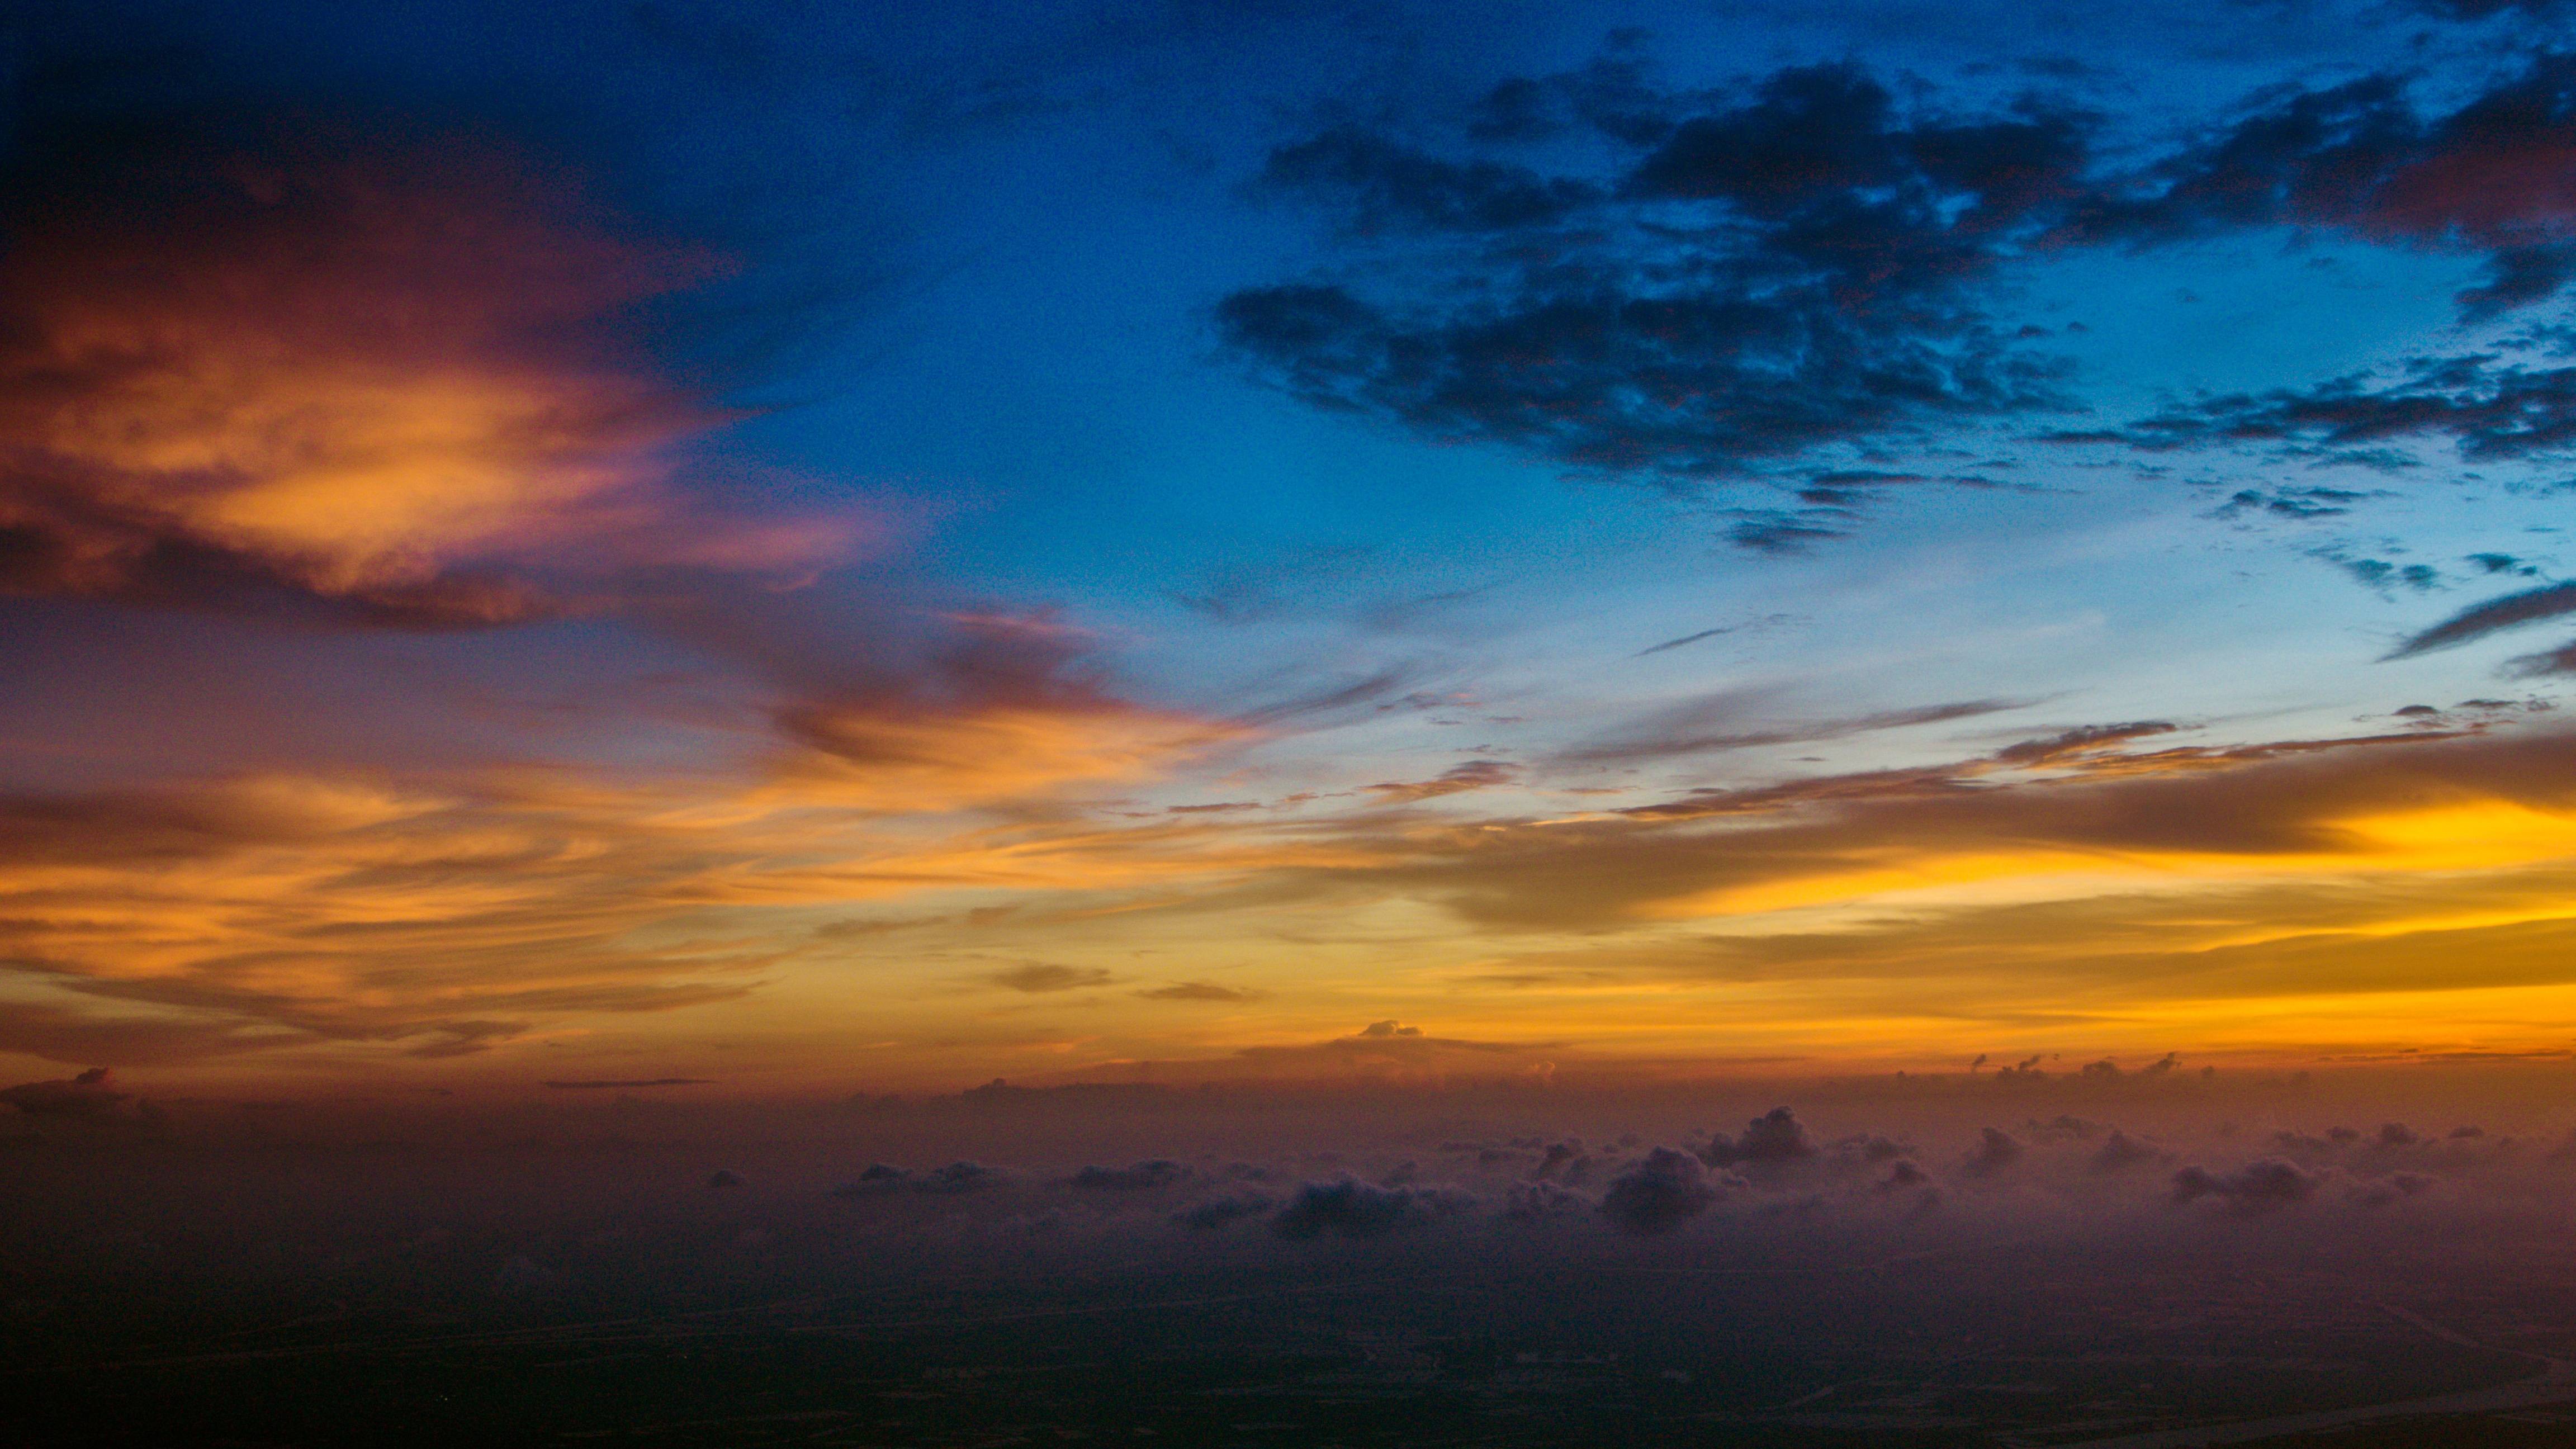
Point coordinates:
[[875, 547]]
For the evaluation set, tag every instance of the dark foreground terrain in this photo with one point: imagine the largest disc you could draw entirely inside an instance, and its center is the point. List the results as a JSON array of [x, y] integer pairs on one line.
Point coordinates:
[[2001, 1345], [1042, 1280]]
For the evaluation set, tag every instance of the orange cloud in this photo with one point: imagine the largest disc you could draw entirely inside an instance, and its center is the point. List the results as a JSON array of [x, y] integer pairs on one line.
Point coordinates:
[[905, 755], [385, 377]]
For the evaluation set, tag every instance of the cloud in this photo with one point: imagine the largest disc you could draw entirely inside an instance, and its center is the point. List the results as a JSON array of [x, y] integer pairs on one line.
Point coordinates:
[[955, 1179], [2490, 411], [2489, 175], [1658, 1193], [72, 1036], [2561, 660], [1763, 624], [1995, 1153], [1457, 779], [2510, 611], [1773, 1139], [1535, 1202], [1814, 260], [1384, 186], [2086, 742], [1719, 722], [2121, 1152], [269, 360], [1159, 1172], [2260, 1186], [455, 910], [877, 1180], [84, 1097], [627, 1083], [1217, 1212], [1836, 236], [1349, 1208], [1200, 991], [2282, 799], [1039, 977], [900, 752]]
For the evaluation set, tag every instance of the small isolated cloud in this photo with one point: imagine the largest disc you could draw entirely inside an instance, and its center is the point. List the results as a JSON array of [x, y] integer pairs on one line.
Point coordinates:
[[1038, 978], [1200, 991], [1458, 779]]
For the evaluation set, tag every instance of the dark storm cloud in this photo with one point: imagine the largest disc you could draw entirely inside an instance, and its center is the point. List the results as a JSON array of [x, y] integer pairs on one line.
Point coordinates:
[[1658, 1193]]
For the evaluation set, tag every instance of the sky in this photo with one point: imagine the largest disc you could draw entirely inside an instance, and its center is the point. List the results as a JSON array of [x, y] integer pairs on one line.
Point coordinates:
[[863, 548]]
